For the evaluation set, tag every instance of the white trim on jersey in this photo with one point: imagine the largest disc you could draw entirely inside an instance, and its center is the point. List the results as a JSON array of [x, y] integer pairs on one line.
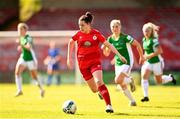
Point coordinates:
[[131, 58], [154, 50], [34, 56]]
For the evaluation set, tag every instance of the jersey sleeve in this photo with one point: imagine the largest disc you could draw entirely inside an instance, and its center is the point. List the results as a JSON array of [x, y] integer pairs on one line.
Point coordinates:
[[155, 43], [101, 38], [75, 37], [109, 40], [27, 39], [129, 39]]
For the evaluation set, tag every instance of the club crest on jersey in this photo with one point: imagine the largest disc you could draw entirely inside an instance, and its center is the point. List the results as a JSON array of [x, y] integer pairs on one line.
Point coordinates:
[[87, 43], [94, 37]]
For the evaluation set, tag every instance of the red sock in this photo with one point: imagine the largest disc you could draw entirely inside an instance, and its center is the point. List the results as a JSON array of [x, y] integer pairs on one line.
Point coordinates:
[[105, 94]]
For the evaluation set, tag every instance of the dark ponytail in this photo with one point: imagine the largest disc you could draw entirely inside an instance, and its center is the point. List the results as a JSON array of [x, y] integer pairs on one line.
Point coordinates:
[[87, 18]]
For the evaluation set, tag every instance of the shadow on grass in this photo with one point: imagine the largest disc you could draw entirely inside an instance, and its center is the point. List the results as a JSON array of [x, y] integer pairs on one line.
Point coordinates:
[[159, 107], [149, 115], [78, 114]]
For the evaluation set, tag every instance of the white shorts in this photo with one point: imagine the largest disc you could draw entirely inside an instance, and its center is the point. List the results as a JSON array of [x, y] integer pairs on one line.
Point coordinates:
[[122, 69], [31, 65], [156, 68]]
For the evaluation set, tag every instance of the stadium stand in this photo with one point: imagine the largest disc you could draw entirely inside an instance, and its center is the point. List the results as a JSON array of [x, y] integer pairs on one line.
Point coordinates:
[[132, 21], [7, 14]]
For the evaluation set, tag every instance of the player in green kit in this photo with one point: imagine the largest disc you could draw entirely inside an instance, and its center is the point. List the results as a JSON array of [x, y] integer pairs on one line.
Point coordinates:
[[122, 42], [154, 62], [27, 59]]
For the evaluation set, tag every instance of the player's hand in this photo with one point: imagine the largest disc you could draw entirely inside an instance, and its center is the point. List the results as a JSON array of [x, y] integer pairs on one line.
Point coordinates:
[[113, 61], [123, 59], [106, 51], [146, 56], [17, 40], [70, 63], [19, 48], [35, 63], [141, 60]]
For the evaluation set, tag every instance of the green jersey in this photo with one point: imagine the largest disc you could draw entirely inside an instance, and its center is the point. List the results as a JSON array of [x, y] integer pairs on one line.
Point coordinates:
[[123, 46], [149, 46], [26, 54]]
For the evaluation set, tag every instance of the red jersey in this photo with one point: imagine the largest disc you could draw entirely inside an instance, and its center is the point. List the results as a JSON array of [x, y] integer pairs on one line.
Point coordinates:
[[88, 44]]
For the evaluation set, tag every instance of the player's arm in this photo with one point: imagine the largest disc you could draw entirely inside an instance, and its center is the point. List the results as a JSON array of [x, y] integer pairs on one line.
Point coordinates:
[[140, 51], [69, 54], [19, 48], [156, 53], [17, 40], [46, 60], [58, 58], [113, 49], [27, 46]]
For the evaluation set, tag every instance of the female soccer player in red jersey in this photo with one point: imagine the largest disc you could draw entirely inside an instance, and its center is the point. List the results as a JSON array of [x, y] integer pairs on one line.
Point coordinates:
[[88, 55]]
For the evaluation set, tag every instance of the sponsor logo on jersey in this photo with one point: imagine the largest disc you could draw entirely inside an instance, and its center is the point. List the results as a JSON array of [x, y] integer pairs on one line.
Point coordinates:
[[87, 43], [94, 37]]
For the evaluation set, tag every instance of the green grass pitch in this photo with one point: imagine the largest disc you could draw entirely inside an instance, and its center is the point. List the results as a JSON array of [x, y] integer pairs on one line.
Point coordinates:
[[164, 103]]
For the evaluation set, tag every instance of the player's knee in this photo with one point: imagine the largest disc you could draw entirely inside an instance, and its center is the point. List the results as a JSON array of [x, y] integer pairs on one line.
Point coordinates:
[[118, 81], [123, 87], [17, 73], [34, 76], [94, 90], [158, 80], [144, 76], [99, 83]]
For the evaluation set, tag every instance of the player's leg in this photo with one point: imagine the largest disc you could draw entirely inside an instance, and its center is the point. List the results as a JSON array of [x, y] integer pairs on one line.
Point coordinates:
[[97, 75], [122, 80], [168, 78], [57, 76], [162, 79], [92, 85], [18, 79], [129, 80], [50, 76], [132, 83], [33, 71], [145, 74], [34, 76]]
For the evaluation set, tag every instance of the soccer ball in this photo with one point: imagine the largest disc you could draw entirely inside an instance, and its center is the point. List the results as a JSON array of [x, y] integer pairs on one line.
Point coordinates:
[[69, 107]]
